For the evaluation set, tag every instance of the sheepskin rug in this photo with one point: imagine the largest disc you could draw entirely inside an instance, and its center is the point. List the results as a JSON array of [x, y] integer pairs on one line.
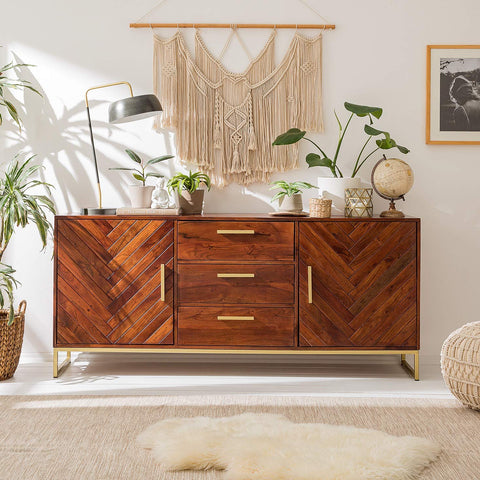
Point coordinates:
[[270, 447]]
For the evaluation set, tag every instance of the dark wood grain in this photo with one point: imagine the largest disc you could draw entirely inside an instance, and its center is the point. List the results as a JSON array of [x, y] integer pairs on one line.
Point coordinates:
[[364, 286], [108, 282], [271, 284], [200, 241], [270, 327]]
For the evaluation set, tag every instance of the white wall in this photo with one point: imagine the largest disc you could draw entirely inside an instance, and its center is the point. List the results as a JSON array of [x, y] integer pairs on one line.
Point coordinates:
[[375, 56]]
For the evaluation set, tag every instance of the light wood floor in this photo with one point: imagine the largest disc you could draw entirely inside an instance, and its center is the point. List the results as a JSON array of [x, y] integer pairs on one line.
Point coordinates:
[[137, 374]]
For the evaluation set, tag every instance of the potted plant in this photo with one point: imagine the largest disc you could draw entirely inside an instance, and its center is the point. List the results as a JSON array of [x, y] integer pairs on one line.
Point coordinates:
[[18, 207], [290, 195], [334, 187], [141, 195], [190, 197]]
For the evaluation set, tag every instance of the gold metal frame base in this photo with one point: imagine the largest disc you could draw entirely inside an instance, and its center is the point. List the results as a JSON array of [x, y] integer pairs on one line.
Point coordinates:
[[413, 371], [57, 370]]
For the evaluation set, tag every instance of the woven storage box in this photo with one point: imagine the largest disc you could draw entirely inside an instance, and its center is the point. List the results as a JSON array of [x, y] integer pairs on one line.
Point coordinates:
[[11, 339], [320, 207], [461, 364]]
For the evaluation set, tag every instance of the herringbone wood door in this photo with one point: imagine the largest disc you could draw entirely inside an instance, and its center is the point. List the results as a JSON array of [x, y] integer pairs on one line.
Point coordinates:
[[364, 284], [109, 282]]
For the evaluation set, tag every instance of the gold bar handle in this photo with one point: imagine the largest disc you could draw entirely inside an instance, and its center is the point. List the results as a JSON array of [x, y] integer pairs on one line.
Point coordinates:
[[162, 280], [309, 287], [236, 232], [234, 317], [235, 275]]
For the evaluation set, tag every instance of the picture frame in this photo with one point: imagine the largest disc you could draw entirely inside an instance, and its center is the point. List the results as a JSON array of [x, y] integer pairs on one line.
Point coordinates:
[[453, 95]]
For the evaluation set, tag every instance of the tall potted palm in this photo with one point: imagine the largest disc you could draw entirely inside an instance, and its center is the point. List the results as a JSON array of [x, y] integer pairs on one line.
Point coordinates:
[[19, 206]]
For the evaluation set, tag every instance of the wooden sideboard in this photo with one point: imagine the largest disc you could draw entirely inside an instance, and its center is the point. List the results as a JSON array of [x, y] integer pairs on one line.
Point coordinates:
[[243, 284]]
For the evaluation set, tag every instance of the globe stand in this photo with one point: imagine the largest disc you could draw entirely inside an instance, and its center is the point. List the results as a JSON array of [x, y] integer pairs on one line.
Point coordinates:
[[392, 212]]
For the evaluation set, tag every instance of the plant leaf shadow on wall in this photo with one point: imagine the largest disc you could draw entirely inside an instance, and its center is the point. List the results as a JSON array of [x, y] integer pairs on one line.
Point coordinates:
[[54, 137]]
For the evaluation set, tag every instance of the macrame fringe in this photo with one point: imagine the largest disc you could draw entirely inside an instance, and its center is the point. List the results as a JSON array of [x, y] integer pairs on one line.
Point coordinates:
[[225, 122]]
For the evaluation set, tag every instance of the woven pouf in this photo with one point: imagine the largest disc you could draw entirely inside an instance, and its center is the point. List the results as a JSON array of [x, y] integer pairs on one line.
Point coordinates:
[[461, 364]]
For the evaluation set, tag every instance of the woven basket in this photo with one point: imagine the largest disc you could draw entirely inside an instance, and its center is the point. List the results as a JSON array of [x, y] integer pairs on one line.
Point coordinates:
[[320, 207], [11, 339], [461, 364]]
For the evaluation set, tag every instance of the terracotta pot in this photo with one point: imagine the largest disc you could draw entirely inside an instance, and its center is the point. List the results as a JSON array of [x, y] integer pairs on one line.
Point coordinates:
[[140, 196], [292, 204], [191, 203]]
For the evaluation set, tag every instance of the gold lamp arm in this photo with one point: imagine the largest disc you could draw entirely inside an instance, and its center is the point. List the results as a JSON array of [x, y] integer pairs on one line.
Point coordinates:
[[91, 131]]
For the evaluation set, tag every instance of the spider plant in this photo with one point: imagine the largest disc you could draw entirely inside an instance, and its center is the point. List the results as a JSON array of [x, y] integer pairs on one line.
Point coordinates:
[[19, 207], [288, 189], [140, 172], [190, 182]]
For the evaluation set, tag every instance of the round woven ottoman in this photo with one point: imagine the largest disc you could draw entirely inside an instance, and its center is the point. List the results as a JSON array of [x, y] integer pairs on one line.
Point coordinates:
[[461, 364]]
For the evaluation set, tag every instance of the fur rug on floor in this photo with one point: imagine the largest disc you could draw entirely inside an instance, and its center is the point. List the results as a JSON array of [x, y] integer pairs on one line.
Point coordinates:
[[270, 447]]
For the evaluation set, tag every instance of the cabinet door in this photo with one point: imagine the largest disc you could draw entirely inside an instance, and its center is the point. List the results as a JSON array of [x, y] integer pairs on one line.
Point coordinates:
[[361, 291], [114, 282]]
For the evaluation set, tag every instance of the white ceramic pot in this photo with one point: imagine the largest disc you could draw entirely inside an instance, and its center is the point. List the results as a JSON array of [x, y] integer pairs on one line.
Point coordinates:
[[140, 196], [293, 204], [334, 189]]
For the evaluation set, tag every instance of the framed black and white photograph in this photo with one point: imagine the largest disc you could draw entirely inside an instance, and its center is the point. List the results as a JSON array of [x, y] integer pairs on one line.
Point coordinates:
[[453, 94]]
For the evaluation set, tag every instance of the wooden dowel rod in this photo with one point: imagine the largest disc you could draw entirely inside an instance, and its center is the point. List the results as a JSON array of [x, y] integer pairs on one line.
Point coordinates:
[[229, 25]]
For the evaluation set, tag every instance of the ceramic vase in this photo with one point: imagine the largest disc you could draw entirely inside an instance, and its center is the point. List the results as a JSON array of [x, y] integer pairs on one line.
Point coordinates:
[[191, 203], [292, 204], [140, 196], [334, 189]]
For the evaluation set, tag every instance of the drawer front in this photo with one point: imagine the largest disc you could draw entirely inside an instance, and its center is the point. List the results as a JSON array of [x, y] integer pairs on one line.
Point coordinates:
[[236, 326], [223, 240], [244, 284]]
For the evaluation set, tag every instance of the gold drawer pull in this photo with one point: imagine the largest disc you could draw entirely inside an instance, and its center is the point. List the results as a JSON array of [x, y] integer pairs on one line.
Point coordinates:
[[234, 317], [235, 275], [236, 232], [309, 274], [162, 280]]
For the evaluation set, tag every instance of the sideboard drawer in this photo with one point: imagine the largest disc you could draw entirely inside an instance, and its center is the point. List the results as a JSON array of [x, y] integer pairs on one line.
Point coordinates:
[[201, 283], [224, 240], [236, 326]]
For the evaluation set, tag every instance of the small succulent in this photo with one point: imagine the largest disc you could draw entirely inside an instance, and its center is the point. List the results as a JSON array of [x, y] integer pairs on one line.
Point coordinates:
[[140, 173], [190, 182], [288, 189]]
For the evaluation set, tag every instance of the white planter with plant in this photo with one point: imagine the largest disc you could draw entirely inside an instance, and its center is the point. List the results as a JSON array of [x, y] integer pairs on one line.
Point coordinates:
[[290, 195], [141, 195], [20, 205], [333, 187], [189, 196]]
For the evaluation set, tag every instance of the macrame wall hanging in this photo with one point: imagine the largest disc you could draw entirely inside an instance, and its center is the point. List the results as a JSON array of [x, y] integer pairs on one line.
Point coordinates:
[[225, 122]]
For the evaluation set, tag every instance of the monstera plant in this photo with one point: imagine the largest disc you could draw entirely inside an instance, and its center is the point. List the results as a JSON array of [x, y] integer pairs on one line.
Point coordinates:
[[383, 141]]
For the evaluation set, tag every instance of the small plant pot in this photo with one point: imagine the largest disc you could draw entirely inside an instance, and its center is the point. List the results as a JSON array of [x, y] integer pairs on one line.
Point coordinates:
[[293, 204], [140, 196], [191, 203]]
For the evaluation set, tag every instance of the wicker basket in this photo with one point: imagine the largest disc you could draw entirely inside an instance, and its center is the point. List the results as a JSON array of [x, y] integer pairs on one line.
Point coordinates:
[[11, 339], [320, 207], [461, 364]]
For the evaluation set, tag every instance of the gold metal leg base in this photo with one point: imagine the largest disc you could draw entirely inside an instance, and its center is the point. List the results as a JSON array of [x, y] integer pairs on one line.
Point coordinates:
[[57, 370], [413, 371]]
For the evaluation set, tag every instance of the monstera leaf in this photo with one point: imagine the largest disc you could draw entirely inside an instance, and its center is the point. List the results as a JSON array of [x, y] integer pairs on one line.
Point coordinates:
[[384, 143], [315, 160], [291, 136], [363, 111]]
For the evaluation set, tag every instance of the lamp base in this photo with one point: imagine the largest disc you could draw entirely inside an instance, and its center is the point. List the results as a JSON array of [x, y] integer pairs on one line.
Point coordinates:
[[99, 211]]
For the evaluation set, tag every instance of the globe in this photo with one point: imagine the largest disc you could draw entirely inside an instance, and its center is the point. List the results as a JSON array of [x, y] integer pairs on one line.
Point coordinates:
[[392, 178]]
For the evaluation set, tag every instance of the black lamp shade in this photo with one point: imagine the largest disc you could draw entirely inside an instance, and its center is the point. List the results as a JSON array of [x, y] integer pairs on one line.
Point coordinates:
[[133, 108]]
